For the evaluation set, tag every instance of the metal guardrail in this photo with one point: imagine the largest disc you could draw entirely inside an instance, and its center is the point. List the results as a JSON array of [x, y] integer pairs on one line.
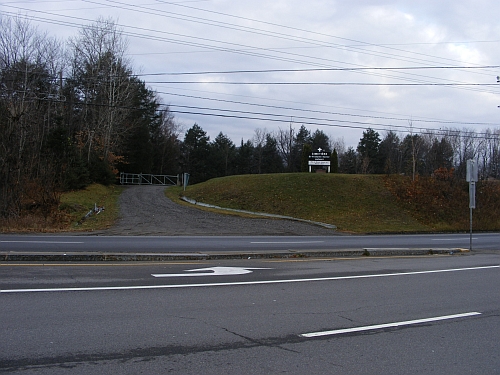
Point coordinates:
[[147, 179]]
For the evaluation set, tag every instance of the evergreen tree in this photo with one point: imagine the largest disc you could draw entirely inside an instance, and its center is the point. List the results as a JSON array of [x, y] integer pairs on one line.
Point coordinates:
[[222, 155], [319, 140], [271, 159], [302, 138], [334, 162], [349, 162], [368, 149], [306, 150], [390, 153], [195, 154], [244, 163]]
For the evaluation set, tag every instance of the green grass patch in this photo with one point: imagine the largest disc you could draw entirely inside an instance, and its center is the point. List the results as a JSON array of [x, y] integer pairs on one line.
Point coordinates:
[[77, 204], [354, 203]]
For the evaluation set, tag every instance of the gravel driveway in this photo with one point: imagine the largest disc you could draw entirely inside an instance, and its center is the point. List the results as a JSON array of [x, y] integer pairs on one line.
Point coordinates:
[[144, 210]]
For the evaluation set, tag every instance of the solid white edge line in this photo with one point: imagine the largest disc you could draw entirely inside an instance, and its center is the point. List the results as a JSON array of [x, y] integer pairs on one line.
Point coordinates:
[[387, 325], [239, 282], [285, 242], [45, 242]]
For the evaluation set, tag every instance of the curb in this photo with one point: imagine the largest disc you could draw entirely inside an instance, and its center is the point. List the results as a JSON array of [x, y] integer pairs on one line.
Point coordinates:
[[162, 257]]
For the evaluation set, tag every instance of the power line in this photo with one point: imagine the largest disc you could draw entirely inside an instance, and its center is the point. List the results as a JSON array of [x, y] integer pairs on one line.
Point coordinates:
[[132, 34], [315, 70], [333, 113], [325, 83], [156, 14], [423, 131], [267, 117], [261, 32], [155, 38], [302, 30], [287, 117]]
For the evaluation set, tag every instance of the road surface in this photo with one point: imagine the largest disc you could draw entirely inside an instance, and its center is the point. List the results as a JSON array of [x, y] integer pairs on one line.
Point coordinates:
[[432, 315], [200, 244]]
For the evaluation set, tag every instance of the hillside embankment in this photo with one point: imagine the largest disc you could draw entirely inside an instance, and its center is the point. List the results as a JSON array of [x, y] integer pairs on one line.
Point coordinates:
[[352, 203], [358, 203]]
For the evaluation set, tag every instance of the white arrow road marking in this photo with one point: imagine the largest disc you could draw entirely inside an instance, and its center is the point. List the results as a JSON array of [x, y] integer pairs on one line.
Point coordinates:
[[212, 271]]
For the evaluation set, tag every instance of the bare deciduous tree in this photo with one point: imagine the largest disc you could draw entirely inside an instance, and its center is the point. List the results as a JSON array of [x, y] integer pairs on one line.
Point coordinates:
[[27, 62], [285, 141], [259, 141], [101, 77]]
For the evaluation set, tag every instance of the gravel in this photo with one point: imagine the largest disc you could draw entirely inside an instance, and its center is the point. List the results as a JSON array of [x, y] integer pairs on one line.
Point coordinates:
[[144, 210]]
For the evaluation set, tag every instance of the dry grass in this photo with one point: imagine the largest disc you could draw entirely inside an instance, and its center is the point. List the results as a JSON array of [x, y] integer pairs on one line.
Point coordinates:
[[72, 208]]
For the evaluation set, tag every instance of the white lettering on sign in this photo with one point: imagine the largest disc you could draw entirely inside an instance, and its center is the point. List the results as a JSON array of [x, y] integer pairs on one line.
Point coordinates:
[[212, 271]]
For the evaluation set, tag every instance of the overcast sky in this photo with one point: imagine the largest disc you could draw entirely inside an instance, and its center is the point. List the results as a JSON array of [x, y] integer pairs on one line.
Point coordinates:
[[338, 66]]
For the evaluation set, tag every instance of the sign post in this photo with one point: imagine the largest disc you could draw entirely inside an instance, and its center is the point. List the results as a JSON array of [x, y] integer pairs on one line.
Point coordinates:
[[471, 178], [185, 180]]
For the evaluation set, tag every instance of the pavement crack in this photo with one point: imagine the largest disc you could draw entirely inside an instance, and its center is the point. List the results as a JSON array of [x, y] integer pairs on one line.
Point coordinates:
[[346, 318], [259, 342]]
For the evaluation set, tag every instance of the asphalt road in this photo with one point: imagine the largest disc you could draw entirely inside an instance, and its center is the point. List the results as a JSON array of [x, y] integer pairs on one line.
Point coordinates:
[[166, 244], [120, 319]]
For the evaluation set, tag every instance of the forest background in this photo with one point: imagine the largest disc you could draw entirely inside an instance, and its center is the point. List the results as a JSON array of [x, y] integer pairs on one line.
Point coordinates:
[[74, 113]]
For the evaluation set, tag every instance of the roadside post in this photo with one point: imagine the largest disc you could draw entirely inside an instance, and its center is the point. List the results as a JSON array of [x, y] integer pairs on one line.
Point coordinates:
[[471, 178], [185, 180]]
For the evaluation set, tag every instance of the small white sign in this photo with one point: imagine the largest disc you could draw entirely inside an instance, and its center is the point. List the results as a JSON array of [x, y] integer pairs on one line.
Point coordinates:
[[472, 172], [319, 162]]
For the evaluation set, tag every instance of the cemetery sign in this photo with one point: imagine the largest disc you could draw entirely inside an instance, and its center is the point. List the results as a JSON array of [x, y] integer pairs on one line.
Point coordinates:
[[319, 158]]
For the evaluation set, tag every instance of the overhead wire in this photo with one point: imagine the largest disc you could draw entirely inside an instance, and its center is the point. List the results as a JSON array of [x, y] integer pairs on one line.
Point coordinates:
[[315, 70], [304, 121], [299, 29], [334, 113], [204, 46], [301, 119], [249, 29], [407, 129], [465, 87], [279, 118], [326, 83], [117, 2]]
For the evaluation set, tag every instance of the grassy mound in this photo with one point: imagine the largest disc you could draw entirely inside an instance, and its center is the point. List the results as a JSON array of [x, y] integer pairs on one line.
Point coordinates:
[[354, 203], [359, 203]]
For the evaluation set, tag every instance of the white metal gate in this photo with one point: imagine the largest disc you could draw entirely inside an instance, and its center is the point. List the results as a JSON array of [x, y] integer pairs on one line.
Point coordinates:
[[147, 179]]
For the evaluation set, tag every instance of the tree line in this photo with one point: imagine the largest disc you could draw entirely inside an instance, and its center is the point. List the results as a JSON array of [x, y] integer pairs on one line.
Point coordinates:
[[287, 150], [424, 153], [74, 113]]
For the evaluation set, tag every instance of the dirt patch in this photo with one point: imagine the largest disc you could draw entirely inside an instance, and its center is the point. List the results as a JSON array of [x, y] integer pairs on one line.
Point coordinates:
[[144, 210]]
